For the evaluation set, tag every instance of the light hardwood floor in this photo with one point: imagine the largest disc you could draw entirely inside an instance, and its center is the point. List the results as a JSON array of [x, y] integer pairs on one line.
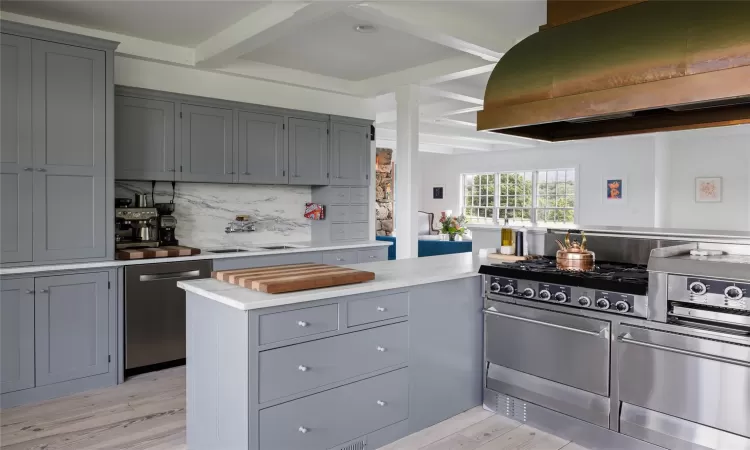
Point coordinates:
[[148, 413]]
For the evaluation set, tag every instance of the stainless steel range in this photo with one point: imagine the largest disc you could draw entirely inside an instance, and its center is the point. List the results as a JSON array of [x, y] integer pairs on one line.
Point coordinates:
[[627, 356]]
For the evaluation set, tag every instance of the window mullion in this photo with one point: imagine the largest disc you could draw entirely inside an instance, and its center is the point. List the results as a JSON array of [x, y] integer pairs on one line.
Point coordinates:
[[534, 196]]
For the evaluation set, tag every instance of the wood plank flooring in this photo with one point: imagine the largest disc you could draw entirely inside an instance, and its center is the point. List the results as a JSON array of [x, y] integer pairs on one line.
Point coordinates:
[[148, 413]]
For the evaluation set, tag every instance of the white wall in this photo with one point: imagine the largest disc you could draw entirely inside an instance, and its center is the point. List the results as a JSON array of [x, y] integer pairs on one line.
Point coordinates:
[[723, 152], [593, 161]]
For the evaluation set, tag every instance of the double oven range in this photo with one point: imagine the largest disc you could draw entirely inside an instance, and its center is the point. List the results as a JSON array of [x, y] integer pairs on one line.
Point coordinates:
[[627, 356]]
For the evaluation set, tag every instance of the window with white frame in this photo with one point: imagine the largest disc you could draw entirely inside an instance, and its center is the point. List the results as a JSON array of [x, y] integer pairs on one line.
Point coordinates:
[[530, 197]]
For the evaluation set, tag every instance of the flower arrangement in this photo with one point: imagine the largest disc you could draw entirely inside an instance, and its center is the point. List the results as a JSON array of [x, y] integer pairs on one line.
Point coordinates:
[[453, 226]]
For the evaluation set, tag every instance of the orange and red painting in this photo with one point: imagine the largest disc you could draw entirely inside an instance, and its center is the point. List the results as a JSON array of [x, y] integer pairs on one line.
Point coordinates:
[[614, 189]]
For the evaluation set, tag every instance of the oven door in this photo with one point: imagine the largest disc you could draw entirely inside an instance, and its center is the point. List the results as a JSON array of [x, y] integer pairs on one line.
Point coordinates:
[[694, 380]]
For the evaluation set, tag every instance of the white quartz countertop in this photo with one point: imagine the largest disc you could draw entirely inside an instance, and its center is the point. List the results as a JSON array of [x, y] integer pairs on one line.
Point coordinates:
[[396, 274], [299, 247]]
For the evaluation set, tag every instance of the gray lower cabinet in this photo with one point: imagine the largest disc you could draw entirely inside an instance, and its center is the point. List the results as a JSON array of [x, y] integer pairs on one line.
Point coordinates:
[[68, 125], [71, 327], [16, 166], [16, 334], [308, 152], [207, 144], [323, 420], [262, 149], [144, 139], [350, 154]]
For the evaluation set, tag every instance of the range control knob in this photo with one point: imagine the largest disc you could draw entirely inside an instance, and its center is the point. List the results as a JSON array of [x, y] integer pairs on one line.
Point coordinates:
[[697, 288], [528, 293], [544, 294], [602, 303], [508, 289], [584, 301], [561, 297], [622, 306], [733, 293], [495, 287]]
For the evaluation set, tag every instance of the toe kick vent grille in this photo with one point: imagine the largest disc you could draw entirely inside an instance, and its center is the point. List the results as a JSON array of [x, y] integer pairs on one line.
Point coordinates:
[[360, 444]]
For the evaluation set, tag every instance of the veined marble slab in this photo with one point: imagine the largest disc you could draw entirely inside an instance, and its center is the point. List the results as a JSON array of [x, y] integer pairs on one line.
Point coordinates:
[[396, 274], [203, 210]]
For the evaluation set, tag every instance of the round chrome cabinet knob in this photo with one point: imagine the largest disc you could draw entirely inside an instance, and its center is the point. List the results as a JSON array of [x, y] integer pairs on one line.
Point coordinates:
[[544, 294], [584, 301], [733, 293], [528, 293], [561, 297], [508, 289], [302, 430], [622, 306], [602, 303], [495, 287], [697, 288]]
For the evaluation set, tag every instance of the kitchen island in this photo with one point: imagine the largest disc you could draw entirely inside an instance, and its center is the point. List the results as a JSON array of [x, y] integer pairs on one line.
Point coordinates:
[[327, 368]]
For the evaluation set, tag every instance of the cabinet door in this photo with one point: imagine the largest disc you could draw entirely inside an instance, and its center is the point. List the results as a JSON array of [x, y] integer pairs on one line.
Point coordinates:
[[16, 174], [71, 327], [308, 152], [144, 139], [68, 124], [16, 333], [207, 144], [262, 147], [350, 155]]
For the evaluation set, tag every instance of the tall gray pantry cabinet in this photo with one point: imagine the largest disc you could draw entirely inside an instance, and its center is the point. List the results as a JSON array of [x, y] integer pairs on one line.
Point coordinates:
[[56, 156]]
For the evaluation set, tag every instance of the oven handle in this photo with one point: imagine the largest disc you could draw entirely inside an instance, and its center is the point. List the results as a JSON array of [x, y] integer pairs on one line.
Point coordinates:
[[626, 338], [169, 276], [604, 332]]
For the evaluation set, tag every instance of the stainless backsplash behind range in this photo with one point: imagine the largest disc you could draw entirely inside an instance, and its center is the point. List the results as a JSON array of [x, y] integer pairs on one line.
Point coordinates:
[[203, 211]]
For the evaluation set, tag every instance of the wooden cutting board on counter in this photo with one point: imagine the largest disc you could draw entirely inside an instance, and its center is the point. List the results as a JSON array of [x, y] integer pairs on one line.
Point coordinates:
[[292, 277], [156, 252]]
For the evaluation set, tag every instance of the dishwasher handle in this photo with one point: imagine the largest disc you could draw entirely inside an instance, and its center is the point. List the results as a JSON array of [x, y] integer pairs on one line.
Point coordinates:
[[169, 275], [627, 338], [604, 332]]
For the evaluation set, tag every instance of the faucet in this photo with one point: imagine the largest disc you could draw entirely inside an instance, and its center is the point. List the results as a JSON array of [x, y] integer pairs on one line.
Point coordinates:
[[237, 226]]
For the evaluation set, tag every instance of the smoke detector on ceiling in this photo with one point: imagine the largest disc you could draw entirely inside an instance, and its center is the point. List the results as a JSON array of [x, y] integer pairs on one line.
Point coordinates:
[[365, 28]]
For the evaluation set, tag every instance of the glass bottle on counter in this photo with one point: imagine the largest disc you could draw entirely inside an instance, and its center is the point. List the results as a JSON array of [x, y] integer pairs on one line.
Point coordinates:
[[506, 239]]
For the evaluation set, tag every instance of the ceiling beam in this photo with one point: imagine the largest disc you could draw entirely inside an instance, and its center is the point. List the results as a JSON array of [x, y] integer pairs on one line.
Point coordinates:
[[451, 94], [259, 28], [289, 76], [387, 134], [426, 111], [447, 130]]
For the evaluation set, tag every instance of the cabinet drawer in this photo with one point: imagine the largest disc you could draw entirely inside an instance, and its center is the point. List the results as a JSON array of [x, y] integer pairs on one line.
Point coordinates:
[[339, 231], [340, 196], [340, 258], [297, 368], [378, 254], [300, 322], [358, 213], [358, 195], [373, 309], [357, 231], [338, 213], [323, 420]]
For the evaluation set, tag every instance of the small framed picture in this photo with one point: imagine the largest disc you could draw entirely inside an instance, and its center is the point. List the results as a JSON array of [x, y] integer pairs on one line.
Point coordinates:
[[437, 192], [613, 189], [708, 189]]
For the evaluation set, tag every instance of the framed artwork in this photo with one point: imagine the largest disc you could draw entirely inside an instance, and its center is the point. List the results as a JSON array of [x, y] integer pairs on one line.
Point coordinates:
[[708, 189], [437, 192], [614, 188]]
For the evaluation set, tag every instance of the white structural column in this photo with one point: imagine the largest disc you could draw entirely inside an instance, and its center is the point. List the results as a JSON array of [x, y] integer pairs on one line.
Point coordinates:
[[407, 173], [662, 159]]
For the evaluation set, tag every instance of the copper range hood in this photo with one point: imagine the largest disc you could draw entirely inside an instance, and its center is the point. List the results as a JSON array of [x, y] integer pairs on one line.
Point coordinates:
[[654, 66]]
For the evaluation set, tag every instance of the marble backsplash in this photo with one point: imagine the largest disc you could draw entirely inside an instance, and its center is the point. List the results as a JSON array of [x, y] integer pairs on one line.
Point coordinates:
[[203, 211]]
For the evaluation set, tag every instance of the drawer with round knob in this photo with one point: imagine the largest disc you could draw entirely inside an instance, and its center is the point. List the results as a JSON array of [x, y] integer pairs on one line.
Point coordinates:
[[340, 258], [374, 309], [329, 418], [296, 368], [302, 322]]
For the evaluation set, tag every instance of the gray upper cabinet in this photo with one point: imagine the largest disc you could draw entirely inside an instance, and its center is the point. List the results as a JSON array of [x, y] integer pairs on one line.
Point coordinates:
[[207, 151], [68, 125], [308, 152], [144, 139], [16, 176], [71, 327], [350, 154], [262, 150], [16, 333]]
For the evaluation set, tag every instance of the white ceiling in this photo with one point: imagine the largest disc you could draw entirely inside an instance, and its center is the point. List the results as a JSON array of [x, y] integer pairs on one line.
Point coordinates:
[[446, 47]]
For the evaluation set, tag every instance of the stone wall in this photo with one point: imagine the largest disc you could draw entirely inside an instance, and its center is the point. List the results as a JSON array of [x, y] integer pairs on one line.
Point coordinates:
[[384, 184]]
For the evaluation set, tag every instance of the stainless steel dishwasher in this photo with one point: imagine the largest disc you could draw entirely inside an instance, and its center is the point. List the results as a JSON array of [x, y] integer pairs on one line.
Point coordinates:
[[155, 314]]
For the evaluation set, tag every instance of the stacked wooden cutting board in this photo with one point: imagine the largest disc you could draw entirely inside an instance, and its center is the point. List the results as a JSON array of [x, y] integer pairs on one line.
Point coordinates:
[[293, 277], [157, 252]]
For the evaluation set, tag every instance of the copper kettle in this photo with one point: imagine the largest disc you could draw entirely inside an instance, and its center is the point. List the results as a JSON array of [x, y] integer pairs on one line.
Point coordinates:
[[574, 256]]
